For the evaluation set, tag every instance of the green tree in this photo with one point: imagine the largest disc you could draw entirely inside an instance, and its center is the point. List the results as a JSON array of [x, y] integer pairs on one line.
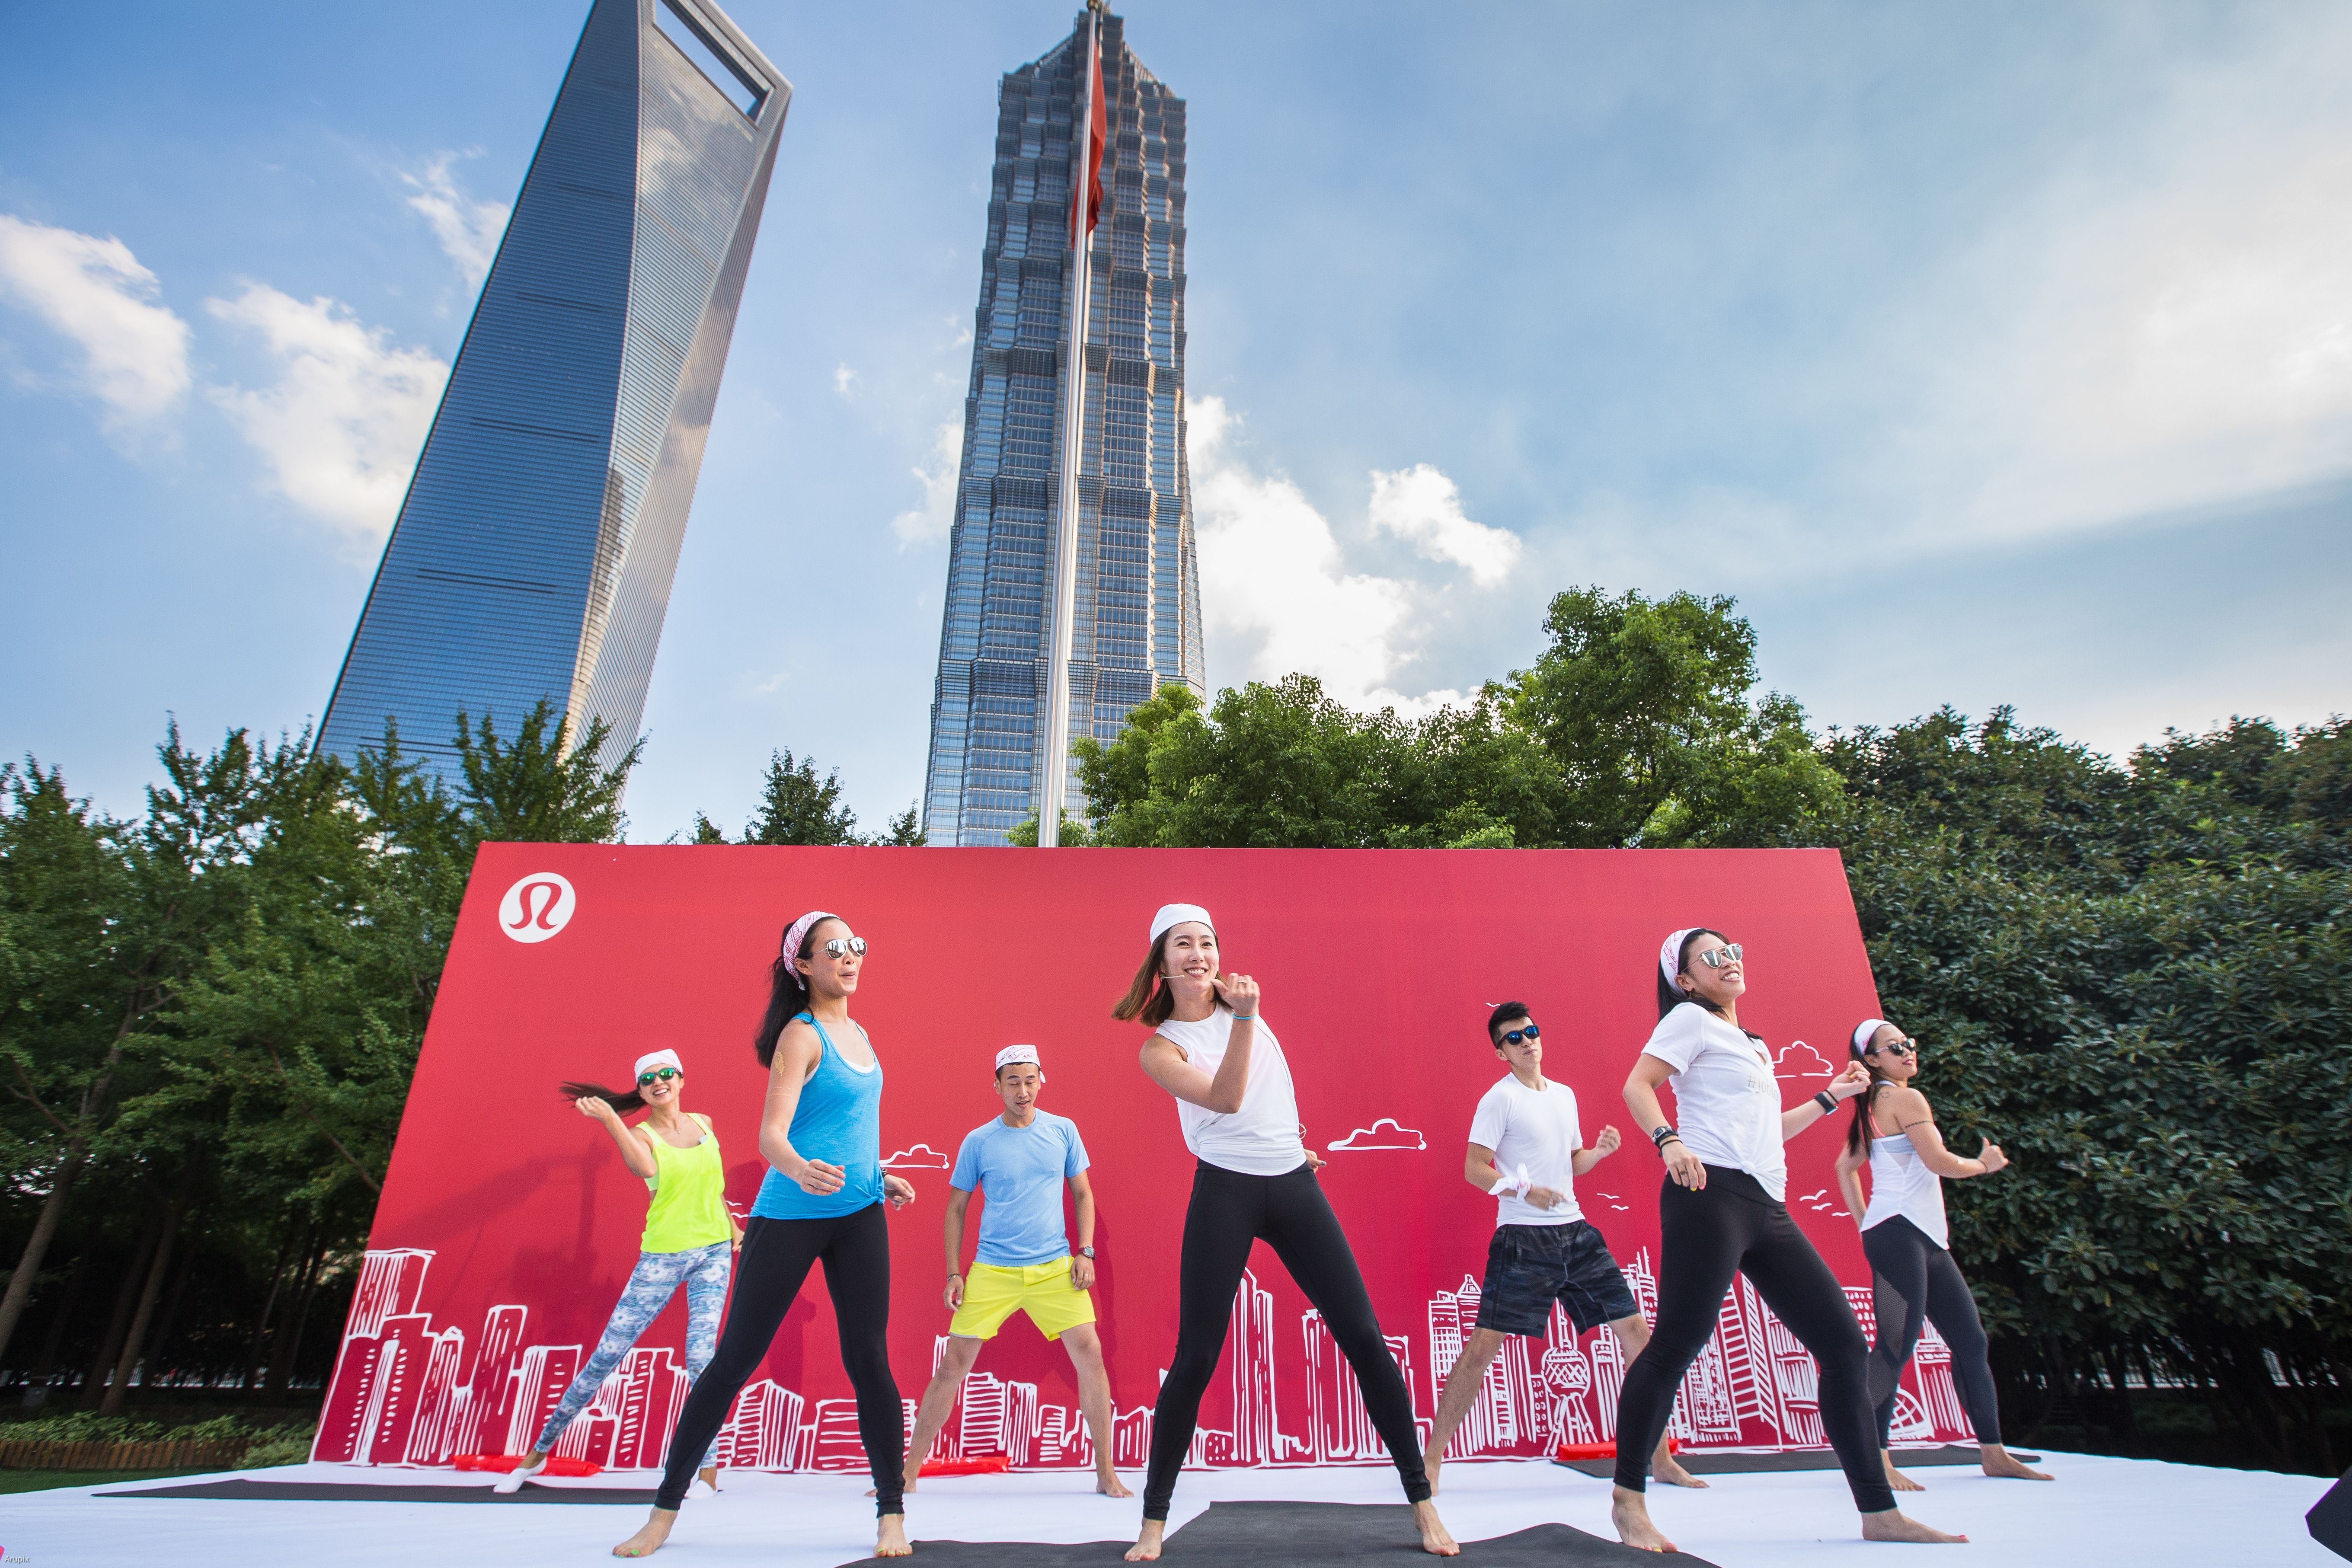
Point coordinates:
[[798, 807], [1645, 710]]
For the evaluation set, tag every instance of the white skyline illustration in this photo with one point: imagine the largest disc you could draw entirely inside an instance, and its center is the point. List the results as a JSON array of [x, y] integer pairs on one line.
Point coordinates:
[[405, 1394]]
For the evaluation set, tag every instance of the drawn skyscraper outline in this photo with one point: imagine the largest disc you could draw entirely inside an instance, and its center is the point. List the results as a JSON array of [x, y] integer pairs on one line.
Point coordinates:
[[1138, 624], [535, 547], [403, 1394]]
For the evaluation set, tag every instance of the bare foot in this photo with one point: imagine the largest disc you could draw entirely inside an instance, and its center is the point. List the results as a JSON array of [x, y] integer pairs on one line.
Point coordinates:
[[649, 1540], [1998, 1461], [1147, 1541], [890, 1537], [1895, 1478], [1630, 1512], [1665, 1467], [1893, 1525], [1107, 1483], [1434, 1538]]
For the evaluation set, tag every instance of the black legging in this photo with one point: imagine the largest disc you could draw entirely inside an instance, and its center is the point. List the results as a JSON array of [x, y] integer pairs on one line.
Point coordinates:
[[1228, 1212], [775, 1259], [1915, 1282], [1734, 1226]]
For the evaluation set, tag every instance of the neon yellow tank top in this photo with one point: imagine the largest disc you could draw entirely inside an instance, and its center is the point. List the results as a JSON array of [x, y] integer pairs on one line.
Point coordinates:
[[690, 1195]]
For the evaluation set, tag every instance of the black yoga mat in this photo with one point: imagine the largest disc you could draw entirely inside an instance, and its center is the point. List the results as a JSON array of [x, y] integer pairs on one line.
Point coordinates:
[[1302, 1535], [348, 1491], [1704, 1464]]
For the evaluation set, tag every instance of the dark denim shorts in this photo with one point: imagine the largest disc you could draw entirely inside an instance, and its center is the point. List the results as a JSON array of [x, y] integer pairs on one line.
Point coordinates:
[[1530, 1266]]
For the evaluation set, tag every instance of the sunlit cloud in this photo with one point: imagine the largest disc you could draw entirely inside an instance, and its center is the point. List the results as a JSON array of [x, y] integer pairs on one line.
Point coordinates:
[[468, 230], [341, 426], [96, 293], [1275, 580], [932, 523]]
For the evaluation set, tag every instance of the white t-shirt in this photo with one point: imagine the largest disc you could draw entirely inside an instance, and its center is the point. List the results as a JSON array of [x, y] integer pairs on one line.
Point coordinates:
[[1262, 1138], [1728, 1102], [1536, 1130]]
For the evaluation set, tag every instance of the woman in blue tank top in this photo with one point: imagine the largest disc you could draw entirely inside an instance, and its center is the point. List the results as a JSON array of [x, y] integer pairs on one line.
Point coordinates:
[[824, 1199]]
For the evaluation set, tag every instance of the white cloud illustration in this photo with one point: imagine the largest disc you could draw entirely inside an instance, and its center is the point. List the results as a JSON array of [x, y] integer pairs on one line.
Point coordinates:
[[1385, 1134], [922, 1157], [1793, 1058]]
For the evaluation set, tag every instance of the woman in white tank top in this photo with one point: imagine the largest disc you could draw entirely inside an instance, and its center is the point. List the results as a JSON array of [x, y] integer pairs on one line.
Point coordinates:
[[1914, 1282], [1254, 1181]]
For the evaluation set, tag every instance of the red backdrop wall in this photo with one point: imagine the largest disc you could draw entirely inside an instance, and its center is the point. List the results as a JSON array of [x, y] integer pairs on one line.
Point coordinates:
[[509, 1224]]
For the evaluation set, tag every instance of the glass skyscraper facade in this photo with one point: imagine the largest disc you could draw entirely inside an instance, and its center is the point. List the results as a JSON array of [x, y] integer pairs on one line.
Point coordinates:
[[1138, 623], [534, 554]]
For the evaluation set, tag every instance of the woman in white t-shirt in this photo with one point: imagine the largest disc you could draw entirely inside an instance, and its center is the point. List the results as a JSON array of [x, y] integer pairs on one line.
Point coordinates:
[[1913, 1279], [1255, 1181], [1721, 1213]]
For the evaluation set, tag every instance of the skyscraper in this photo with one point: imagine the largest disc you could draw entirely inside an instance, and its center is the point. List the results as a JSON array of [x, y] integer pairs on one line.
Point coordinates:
[[1138, 623], [534, 554]]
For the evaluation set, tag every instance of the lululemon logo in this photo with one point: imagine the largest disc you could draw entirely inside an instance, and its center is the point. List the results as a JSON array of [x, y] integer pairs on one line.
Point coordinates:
[[537, 907]]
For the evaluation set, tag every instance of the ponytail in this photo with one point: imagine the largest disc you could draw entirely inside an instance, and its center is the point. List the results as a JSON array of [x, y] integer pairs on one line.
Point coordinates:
[[626, 1102], [788, 994]]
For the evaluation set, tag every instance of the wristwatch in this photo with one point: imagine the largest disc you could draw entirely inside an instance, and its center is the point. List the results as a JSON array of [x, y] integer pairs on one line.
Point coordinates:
[[1086, 1252]]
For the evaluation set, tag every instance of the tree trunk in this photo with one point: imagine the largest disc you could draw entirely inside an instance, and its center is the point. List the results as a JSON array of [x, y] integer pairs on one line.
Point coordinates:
[[123, 1365], [282, 1354], [261, 1319], [94, 1382], [45, 1229], [76, 1273], [161, 1342]]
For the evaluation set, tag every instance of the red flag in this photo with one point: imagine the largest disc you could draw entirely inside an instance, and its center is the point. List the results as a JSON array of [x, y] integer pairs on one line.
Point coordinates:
[[1098, 127]]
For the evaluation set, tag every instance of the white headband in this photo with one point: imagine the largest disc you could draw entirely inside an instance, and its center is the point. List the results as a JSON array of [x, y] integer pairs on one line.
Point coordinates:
[[1011, 1053], [1670, 954], [795, 931], [1176, 915], [655, 1059], [1862, 1033]]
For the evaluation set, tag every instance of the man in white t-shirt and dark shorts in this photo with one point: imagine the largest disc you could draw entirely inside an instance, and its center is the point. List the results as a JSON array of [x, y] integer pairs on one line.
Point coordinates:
[[1527, 1150]]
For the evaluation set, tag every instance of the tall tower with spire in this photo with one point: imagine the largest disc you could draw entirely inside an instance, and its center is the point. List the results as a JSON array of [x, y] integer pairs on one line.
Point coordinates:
[[1137, 622]]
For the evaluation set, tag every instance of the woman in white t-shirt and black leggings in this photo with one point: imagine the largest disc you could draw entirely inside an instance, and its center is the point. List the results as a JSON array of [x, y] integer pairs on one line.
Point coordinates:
[[1255, 1181], [1721, 1213]]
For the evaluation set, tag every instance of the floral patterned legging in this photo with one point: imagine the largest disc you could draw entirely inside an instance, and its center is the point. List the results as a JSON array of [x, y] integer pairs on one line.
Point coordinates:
[[703, 1271]]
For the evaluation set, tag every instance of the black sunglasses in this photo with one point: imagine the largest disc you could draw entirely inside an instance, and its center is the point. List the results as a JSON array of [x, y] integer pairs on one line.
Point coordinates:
[[665, 1074], [1513, 1037]]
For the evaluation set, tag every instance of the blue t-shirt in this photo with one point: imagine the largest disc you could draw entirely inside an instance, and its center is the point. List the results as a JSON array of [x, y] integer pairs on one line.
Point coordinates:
[[1020, 1171]]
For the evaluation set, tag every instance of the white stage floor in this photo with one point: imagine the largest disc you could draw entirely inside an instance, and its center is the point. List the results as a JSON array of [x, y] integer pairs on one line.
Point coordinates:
[[2098, 1511]]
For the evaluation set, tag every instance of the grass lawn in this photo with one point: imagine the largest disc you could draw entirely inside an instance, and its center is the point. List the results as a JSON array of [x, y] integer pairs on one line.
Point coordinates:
[[42, 1480]]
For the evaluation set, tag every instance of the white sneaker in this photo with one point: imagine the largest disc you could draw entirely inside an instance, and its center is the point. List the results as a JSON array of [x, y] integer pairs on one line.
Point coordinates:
[[702, 1489], [514, 1479]]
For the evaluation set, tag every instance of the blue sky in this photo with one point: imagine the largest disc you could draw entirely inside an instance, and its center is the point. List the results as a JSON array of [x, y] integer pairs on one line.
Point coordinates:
[[1986, 353]]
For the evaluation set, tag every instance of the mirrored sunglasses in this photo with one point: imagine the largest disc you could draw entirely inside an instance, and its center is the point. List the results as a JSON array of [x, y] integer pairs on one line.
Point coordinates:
[[1512, 1037], [841, 946], [665, 1074], [1899, 1048], [1716, 957]]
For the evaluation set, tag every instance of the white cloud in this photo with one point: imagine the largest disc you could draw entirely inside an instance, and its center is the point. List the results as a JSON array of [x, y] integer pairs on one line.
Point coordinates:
[[844, 380], [468, 230], [931, 522], [341, 426], [1273, 576], [1424, 506], [93, 290], [2164, 323]]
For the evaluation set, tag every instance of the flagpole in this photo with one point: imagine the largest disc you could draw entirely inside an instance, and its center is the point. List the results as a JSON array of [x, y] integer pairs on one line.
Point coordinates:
[[1056, 761]]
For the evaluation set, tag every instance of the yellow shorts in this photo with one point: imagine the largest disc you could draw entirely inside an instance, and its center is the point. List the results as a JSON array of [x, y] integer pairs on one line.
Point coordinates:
[[992, 1294]]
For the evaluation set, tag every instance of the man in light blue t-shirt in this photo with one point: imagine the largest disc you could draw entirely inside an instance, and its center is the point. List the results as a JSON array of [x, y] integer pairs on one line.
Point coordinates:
[[1019, 1162]]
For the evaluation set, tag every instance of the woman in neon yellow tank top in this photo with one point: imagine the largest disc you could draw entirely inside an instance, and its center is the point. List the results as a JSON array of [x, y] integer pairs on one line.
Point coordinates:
[[690, 1238]]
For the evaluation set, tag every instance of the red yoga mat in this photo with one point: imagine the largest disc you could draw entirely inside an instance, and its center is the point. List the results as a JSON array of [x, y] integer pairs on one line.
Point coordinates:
[[985, 1465], [1570, 1453], [557, 1465]]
